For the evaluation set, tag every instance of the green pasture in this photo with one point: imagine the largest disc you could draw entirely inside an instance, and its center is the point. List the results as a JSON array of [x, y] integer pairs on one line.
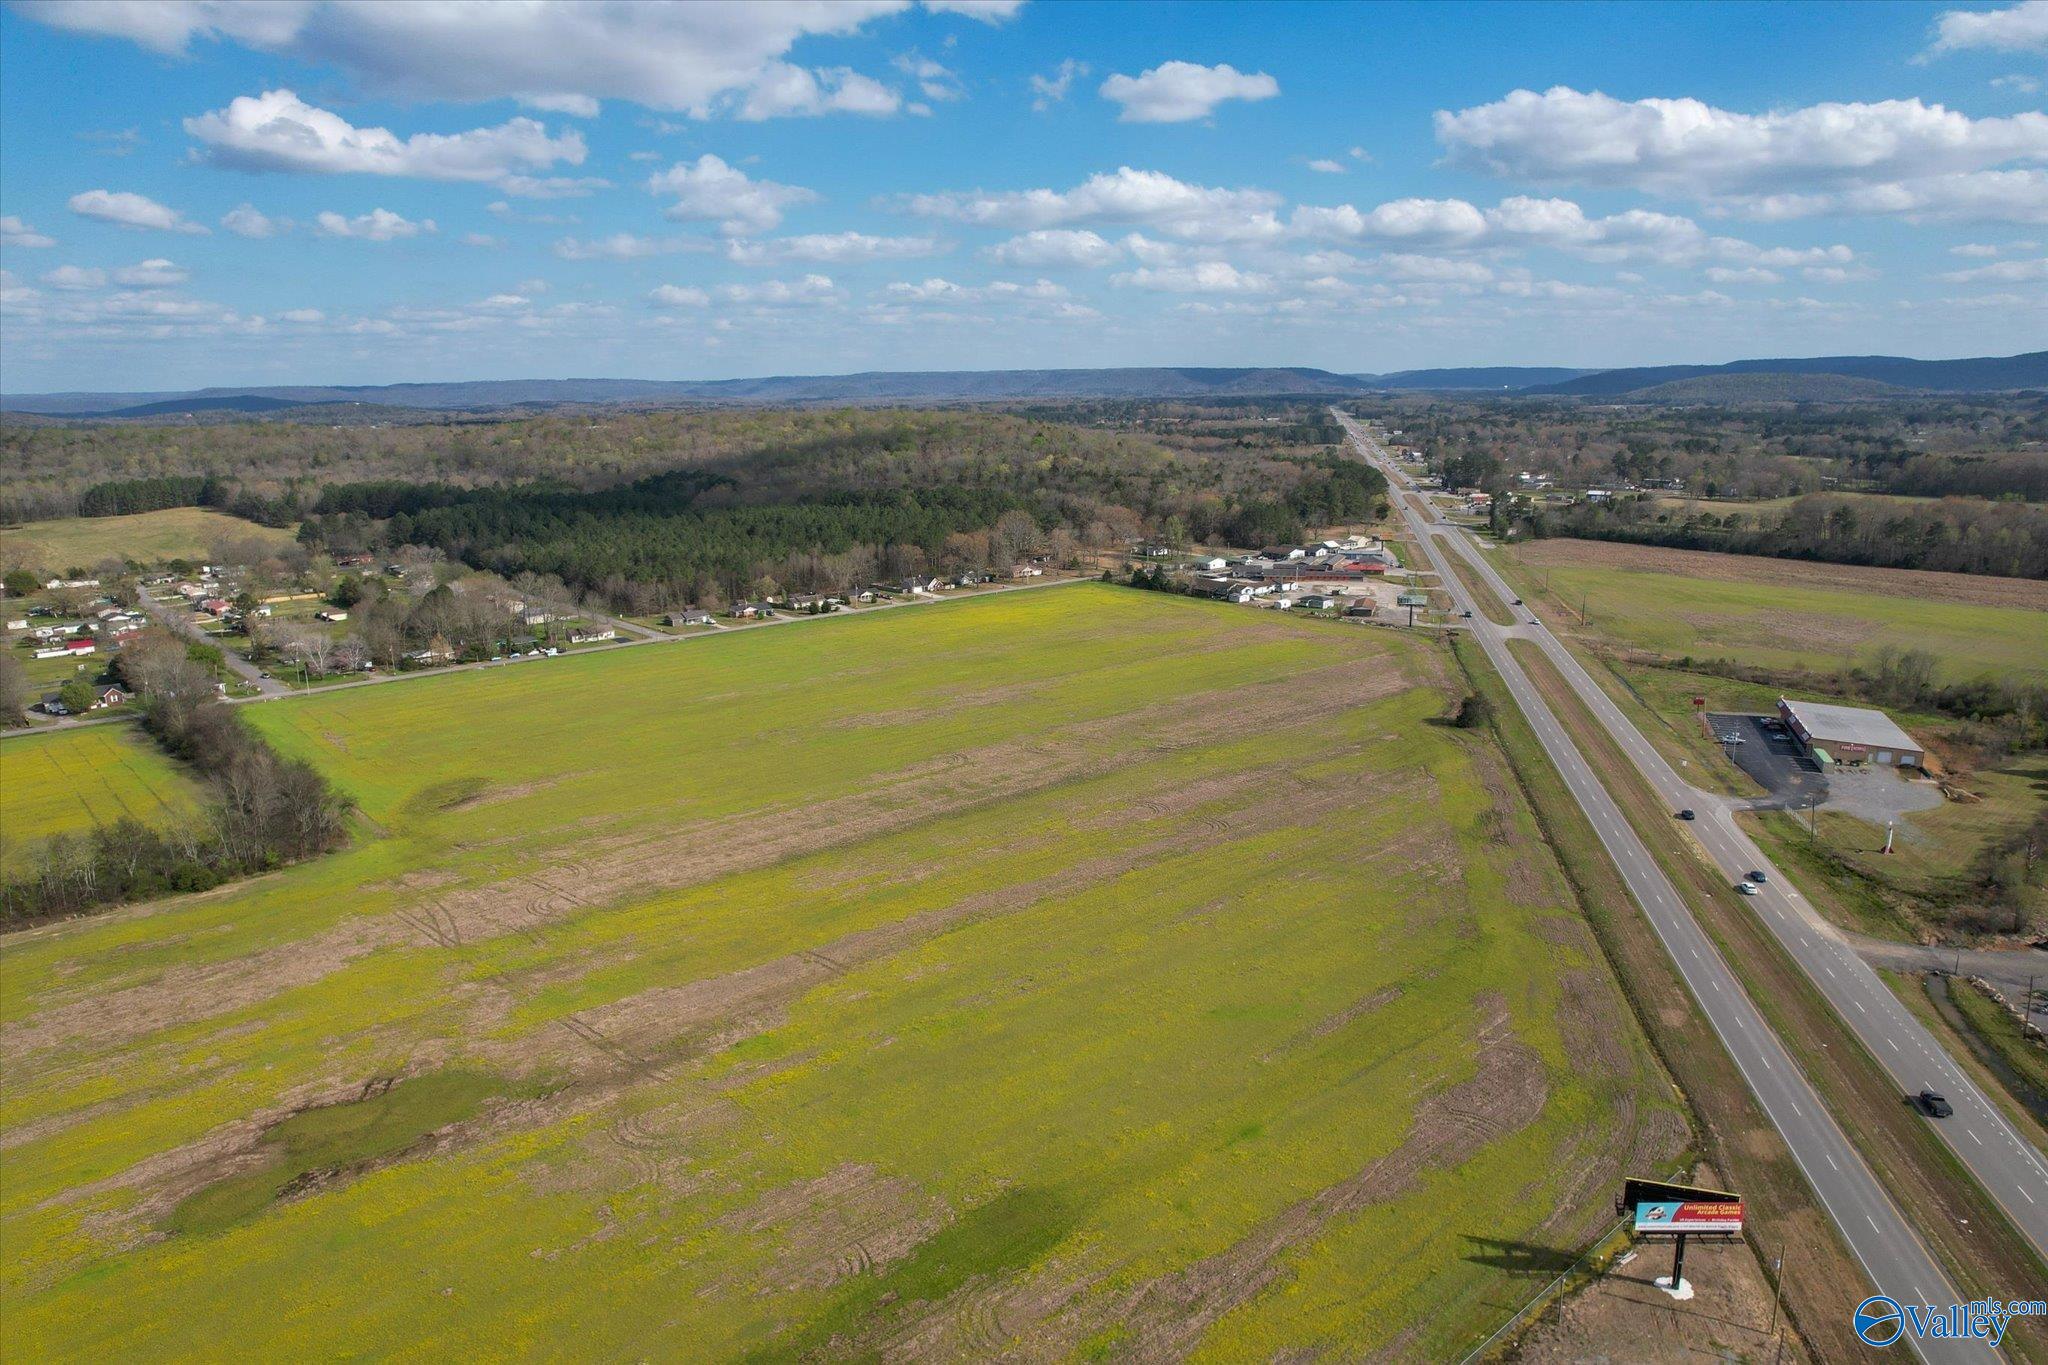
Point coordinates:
[[144, 537], [68, 781], [1064, 972], [1781, 625]]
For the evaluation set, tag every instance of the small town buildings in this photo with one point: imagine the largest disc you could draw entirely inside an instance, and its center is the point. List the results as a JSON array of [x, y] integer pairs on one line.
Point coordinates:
[[1850, 734], [1282, 552], [79, 647], [693, 617], [1026, 571], [591, 634], [1316, 601], [747, 611], [1361, 610]]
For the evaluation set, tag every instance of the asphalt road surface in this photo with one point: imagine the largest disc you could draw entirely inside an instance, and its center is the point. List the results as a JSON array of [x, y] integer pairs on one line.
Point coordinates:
[[1875, 1229]]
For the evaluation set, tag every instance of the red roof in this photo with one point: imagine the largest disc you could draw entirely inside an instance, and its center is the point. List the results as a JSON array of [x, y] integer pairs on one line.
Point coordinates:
[[78, 644]]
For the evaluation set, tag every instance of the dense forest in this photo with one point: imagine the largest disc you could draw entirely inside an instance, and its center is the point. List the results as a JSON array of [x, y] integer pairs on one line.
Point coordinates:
[[916, 493], [659, 509]]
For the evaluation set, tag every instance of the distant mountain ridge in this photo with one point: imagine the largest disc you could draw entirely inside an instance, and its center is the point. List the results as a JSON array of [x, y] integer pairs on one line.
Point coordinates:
[[1650, 384], [1981, 374]]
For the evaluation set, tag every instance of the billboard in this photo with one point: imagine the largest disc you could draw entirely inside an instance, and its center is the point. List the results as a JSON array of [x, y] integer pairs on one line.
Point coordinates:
[[1689, 1215], [1659, 1206]]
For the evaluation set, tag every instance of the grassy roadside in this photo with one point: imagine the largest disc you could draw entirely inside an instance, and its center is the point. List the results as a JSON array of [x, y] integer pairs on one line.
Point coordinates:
[[1488, 600], [1733, 1132], [1967, 1232], [1947, 1018], [2001, 1033]]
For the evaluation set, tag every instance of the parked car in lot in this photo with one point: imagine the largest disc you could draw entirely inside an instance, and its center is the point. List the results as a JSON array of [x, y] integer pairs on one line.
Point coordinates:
[[1747, 888], [1934, 1104], [1731, 738], [1687, 814]]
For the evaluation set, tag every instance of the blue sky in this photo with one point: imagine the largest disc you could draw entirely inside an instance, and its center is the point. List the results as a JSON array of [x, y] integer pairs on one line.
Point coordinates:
[[280, 191]]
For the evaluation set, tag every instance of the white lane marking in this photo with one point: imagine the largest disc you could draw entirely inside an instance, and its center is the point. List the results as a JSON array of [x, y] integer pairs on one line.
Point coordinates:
[[1831, 1159]]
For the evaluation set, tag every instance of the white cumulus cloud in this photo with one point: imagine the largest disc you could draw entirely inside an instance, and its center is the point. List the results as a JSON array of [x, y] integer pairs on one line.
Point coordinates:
[[1201, 277], [1125, 197], [706, 59], [246, 220], [155, 273], [2003, 272], [1049, 248], [378, 225], [708, 190], [124, 209], [75, 277], [831, 248], [623, 246], [1894, 156], [2019, 28], [1050, 89], [1179, 92], [14, 232], [278, 131]]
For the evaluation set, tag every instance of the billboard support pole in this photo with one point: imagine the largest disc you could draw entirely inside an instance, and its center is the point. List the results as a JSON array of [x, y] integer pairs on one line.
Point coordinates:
[[1677, 1287]]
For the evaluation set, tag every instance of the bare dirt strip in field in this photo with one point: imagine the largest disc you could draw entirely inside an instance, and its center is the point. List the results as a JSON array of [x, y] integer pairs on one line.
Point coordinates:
[[1925, 584]]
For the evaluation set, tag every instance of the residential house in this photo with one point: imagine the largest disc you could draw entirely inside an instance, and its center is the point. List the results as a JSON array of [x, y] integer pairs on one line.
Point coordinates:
[[336, 615], [591, 634], [1222, 589], [692, 617]]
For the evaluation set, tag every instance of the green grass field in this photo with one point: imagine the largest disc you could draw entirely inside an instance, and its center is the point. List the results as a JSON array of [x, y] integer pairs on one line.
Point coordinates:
[[1074, 972], [68, 781], [1775, 621], [146, 537]]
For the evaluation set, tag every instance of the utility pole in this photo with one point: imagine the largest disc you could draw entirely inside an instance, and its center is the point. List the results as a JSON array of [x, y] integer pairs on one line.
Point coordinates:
[[1777, 1289]]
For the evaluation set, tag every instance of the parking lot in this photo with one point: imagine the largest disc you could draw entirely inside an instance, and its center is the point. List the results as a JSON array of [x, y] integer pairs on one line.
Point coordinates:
[[1773, 758]]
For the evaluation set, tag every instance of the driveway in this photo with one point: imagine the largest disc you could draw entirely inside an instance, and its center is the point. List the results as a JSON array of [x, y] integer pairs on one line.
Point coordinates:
[[1773, 759]]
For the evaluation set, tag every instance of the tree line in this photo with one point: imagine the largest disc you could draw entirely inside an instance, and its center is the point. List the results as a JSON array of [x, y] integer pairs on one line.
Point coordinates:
[[1959, 535], [261, 810], [125, 497]]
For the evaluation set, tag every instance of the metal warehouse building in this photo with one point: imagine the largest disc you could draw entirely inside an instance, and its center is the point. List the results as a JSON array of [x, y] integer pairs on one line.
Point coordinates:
[[1850, 734]]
